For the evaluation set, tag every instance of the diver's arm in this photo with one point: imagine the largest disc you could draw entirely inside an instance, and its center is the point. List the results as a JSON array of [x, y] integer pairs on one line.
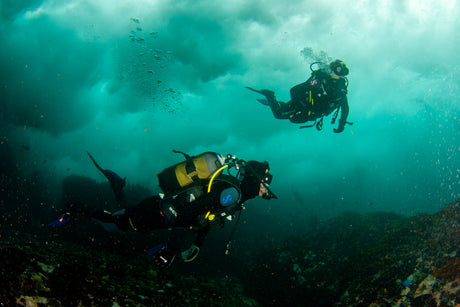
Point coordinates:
[[201, 235], [345, 109], [192, 252]]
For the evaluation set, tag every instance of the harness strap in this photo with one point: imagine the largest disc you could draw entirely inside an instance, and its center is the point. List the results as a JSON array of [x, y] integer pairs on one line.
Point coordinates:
[[229, 241], [308, 126], [190, 168], [334, 117]]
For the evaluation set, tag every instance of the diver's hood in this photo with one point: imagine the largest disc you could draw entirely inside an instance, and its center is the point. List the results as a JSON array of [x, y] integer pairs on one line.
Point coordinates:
[[255, 173]]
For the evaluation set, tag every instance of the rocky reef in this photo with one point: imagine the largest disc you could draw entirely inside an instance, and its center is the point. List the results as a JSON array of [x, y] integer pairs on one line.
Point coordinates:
[[377, 259], [61, 274]]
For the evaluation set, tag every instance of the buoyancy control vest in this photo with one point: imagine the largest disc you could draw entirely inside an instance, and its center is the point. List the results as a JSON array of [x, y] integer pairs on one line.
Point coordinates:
[[187, 181], [229, 200]]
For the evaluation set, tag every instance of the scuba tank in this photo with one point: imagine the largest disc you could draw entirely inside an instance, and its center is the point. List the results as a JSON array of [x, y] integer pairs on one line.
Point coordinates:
[[189, 173]]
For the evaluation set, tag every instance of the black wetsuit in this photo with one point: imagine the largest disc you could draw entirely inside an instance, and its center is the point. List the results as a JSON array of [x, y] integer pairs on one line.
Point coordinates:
[[195, 210], [319, 96]]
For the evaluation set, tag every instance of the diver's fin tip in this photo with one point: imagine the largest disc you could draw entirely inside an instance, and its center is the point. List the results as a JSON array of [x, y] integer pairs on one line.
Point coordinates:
[[253, 89], [61, 220], [263, 101]]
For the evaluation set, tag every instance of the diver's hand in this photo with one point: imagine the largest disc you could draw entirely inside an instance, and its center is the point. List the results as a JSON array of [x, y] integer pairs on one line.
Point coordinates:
[[190, 254], [164, 257], [341, 126], [338, 130]]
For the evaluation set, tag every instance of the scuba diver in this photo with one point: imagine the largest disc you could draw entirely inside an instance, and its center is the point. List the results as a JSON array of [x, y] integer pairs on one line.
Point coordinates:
[[324, 92], [197, 195]]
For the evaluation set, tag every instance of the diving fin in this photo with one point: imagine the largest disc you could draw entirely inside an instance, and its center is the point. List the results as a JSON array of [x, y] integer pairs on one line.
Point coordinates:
[[263, 101], [95, 163], [269, 95], [265, 92], [156, 249], [253, 89], [116, 182], [61, 220]]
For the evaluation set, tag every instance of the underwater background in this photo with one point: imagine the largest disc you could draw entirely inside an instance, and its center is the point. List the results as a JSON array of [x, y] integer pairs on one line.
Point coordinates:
[[129, 81]]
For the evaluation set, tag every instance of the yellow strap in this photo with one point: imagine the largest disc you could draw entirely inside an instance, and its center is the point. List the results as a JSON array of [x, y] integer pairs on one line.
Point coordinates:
[[208, 215], [215, 174]]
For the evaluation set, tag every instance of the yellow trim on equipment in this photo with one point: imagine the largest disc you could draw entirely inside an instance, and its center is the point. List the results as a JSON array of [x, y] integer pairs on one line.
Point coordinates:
[[209, 216], [182, 177], [215, 174]]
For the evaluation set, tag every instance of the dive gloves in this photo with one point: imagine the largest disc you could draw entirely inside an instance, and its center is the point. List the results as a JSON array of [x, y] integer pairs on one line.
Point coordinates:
[[165, 256], [341, 127]]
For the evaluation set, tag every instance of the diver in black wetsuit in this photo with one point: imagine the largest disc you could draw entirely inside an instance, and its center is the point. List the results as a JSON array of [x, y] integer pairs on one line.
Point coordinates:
[[196, 209], [324, 92]]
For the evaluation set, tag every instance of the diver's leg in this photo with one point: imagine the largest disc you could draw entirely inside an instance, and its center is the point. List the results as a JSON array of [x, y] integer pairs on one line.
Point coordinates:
[[144, 217], [280, 110], [119, 196], [117, 184]]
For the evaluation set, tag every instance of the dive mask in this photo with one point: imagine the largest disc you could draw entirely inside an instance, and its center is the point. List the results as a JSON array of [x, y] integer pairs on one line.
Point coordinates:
[[266, 180]]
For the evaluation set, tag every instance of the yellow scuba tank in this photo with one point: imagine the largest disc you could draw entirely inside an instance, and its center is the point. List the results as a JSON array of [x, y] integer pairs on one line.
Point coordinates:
[[190, 173]]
